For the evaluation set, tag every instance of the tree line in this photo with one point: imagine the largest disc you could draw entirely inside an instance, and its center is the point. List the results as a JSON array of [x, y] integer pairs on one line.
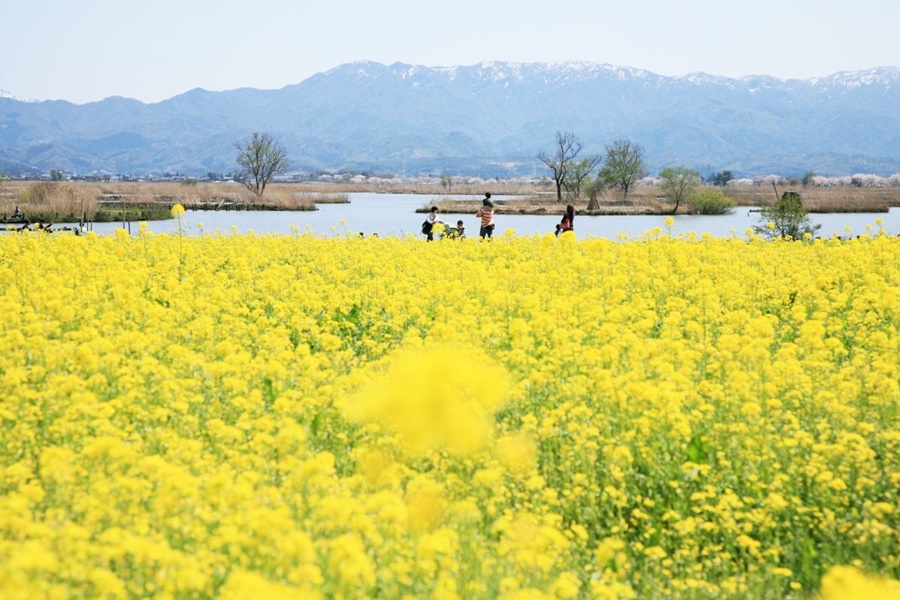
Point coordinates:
[[621, 168], [261, 157]]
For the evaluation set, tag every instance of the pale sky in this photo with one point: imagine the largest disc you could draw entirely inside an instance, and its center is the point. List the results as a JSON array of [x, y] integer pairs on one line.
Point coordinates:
[[87, 50]]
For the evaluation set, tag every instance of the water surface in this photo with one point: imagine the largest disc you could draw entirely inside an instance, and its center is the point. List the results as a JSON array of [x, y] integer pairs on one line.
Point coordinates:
[[394, 215]]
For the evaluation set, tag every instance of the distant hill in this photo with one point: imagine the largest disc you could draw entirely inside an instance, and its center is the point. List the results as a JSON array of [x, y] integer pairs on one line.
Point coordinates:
[[488, 119]]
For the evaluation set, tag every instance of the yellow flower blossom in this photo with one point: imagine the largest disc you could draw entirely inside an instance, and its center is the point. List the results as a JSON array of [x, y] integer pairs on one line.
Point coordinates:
[[235, 416], [441, 397], [516, 453], [848, 582]]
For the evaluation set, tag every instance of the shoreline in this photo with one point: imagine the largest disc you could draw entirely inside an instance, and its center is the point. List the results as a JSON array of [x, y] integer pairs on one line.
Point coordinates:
[[618, 209], [152, 201], [556, 210]]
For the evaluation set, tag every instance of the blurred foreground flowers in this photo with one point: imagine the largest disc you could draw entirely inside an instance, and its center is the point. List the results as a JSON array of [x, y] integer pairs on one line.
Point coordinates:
[[436, 398]]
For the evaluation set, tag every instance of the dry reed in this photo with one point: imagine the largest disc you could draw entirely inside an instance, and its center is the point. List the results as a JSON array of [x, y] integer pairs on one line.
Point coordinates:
[[70, 197], [821, 199], [55, 199]]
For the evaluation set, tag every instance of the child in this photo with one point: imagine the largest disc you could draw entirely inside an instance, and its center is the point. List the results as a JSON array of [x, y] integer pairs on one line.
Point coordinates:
[[460, 229]]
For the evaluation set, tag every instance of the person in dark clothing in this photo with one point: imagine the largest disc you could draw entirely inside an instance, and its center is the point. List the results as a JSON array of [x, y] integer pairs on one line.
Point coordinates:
[[430, 221], [567, 223]]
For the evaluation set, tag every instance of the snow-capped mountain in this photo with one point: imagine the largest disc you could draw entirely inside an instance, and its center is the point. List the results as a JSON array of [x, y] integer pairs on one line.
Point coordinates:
[[10, 96], [490, 118]]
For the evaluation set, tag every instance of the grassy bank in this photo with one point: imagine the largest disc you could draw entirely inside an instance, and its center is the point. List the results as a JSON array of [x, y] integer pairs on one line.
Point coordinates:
[[100, 216], [650, 200], [71, 201]]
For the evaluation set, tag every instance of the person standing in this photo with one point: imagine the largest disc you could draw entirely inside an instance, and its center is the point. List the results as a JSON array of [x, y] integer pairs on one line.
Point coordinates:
[[430, 221], [486, 214]]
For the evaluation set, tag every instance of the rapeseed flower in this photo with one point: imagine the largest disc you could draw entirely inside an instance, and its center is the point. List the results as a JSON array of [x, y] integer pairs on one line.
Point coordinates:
[[848, 582], [235, 415], [435, 398]]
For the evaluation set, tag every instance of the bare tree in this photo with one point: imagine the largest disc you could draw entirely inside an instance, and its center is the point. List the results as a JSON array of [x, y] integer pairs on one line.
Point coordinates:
[[260, 158], [567, 148]]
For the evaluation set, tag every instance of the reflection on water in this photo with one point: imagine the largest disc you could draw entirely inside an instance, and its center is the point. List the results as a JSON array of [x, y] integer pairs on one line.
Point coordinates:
[[394, 215]]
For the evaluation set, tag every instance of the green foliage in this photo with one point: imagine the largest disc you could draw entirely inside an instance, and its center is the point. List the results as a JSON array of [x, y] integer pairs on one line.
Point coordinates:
[[579, 172], [721, 178], [624, 165], [57, 175], [678, 184], [111, 215], [593, 187], [785, 219], [711, 201], [808, 178], [698, 450]]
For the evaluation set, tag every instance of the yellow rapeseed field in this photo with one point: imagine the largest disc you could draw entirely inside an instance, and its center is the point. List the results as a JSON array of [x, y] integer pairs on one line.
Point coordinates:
[[242, 416]]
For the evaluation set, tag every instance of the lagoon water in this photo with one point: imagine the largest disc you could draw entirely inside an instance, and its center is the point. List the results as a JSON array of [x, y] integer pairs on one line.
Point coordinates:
[[394, 215]]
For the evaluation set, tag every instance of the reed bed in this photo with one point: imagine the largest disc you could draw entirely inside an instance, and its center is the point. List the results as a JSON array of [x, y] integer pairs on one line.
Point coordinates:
[[46, 201], [326, 198], [822, 199], [476, 188]]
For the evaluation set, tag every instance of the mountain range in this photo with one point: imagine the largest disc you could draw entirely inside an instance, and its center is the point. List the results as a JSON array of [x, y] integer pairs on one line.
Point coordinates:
[[489, 119]]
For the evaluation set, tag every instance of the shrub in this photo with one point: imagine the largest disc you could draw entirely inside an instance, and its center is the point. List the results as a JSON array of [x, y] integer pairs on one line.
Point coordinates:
[[710, 201], [785, 219]]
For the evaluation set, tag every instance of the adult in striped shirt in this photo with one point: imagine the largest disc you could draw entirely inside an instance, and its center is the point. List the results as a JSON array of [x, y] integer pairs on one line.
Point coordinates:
[[486, 214]]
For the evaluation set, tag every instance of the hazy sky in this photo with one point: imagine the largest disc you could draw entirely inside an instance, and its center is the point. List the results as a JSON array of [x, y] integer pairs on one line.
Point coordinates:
[[86, 50]]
